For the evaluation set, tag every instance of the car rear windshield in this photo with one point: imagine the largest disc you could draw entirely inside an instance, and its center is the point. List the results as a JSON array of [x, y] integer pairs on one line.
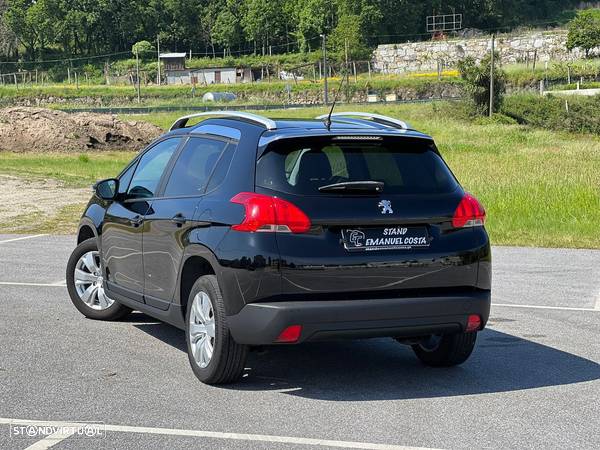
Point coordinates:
[[302, 166]]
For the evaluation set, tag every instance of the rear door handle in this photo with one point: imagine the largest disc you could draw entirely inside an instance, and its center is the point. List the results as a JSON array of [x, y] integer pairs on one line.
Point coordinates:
[[179, 219], [136, 221]]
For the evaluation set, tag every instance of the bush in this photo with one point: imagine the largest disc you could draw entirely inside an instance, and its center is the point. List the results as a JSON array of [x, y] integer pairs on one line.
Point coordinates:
[[551, 112], [477, 83]]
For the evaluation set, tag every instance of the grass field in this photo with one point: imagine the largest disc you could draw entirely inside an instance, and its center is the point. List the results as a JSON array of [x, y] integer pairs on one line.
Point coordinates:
[[64, 95], [540, 188], [80, 170]]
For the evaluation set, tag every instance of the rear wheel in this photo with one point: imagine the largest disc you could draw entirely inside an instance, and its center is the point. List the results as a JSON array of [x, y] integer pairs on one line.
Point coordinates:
[[214, 356], [86, 285], [445, 350]]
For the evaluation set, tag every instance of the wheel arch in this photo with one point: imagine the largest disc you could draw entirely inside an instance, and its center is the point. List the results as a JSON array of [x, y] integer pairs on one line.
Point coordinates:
[[196, 262], [85, 233]]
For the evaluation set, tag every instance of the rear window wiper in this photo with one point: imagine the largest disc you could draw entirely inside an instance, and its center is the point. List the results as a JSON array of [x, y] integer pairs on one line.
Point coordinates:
[[354, 186]]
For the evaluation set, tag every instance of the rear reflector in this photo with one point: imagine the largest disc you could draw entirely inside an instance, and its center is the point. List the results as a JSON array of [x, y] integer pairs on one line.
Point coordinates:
[[469, 213], [473, 323], [290, 334], [270, 214]]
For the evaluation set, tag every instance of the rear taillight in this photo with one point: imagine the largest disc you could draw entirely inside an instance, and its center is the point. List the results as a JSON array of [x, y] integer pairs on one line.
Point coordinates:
[[473, 323], [290, 335], [270, 214], [469, 213]]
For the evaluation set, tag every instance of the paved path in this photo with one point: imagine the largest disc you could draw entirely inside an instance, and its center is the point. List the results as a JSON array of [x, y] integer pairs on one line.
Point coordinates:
[[533, 381]]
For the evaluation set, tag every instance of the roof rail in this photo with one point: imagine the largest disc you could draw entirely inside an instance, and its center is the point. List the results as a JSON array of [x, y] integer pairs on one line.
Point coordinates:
[[385, 120], [266, 122]]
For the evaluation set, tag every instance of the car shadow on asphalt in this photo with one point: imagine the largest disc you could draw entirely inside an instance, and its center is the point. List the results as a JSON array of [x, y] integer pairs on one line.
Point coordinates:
[[380, 369]]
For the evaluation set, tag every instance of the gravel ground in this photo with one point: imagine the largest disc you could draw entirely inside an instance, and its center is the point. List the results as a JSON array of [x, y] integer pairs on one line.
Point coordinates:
[[37, 200]]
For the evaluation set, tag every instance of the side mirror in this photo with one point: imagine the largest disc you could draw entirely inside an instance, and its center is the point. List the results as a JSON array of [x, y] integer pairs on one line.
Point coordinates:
[[107, 189]]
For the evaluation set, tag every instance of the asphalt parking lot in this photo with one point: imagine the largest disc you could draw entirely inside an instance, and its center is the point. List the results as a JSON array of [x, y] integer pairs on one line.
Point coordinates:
[[533, 381]]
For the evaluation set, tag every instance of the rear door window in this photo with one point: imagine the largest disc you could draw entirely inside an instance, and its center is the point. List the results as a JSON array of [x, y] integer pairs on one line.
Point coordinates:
[[405, 166], [194, 167]]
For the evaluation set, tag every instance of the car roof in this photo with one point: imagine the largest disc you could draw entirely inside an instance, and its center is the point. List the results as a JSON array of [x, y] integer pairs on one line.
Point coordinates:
[[275, 129], [340, 125]]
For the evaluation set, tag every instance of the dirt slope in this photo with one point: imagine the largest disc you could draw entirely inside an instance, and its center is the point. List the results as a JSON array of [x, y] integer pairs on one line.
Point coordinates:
[[38, 130]]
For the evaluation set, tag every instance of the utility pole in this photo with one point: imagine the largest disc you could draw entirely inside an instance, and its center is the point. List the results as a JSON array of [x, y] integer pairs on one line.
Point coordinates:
[[325, 93], [158, 57], [347, 60], [137, 70], [491, 108]]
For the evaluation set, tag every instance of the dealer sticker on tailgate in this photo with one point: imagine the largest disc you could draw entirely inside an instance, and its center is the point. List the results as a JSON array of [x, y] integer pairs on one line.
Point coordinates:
[[394, 238]]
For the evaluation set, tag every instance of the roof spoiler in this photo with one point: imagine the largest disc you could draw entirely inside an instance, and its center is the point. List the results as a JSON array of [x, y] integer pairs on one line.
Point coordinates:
[[383, 120], [254, 118]]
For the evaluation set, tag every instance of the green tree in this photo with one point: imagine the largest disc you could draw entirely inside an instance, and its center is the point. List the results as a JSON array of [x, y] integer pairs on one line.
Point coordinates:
[[7, 36], [310, 17], [477, 82], [226, 28], [262, 20], [584, 31], [348, 33], [31, 23], [144, 49]]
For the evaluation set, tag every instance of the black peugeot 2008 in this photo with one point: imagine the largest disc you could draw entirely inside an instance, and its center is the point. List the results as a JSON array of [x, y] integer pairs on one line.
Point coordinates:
[[245, 231]]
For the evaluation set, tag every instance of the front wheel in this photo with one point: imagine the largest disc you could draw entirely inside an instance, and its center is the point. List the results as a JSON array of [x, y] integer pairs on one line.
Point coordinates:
[[85, 284], [214, 356], [445, 350]]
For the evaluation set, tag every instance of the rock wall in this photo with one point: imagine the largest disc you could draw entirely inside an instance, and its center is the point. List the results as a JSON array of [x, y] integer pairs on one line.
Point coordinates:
[[425, 56]]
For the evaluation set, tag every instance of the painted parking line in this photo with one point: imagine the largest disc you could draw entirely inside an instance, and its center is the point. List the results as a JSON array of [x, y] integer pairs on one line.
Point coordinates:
[[15, 283], [559, 308], [22, 238], [51, 440], [220, 435]]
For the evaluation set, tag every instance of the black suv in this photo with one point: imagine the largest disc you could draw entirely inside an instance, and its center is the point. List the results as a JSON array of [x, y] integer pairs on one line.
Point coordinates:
[[245, 231]]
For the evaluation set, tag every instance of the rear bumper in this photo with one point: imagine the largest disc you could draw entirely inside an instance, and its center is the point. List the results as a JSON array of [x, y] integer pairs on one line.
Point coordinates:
[[261, 323]]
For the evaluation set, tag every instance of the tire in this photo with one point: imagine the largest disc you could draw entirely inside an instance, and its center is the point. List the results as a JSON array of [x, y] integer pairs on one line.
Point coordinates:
[[446, 350], [206, 325], [79, 273]]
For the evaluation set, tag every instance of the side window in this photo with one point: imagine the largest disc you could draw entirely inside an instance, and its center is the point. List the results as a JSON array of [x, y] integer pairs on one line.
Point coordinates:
[[194, 166], [222, 168], [125, 179], [150, 169]]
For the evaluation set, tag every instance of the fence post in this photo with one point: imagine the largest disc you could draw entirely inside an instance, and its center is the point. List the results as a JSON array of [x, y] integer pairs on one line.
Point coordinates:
[[491, 107], [107, 72]]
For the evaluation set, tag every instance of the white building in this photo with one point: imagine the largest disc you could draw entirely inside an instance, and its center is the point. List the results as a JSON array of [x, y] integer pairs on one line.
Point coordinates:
[[177, 73]]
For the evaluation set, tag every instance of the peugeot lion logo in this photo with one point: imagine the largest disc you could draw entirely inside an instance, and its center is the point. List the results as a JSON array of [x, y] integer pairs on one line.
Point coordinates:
[[386, 207]]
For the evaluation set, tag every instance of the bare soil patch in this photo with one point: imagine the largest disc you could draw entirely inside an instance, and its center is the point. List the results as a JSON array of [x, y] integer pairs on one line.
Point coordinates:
[[25, 129]]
